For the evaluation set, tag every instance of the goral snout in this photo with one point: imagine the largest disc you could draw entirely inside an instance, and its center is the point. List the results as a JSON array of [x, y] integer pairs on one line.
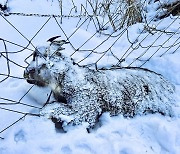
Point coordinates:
[[32, 77]]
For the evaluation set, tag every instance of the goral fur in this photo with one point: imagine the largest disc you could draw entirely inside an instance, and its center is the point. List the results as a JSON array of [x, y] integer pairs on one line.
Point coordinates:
[[82, 94]]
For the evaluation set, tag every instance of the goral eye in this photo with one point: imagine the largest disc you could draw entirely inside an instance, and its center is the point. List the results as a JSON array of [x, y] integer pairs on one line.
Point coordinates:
[[43, 66], [58, 54]]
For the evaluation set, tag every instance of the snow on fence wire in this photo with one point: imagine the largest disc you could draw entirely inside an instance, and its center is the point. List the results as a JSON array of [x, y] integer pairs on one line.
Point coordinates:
[[110, 24]]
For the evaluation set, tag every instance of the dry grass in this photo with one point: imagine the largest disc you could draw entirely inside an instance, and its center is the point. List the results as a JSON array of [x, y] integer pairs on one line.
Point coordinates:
[[119, 13]]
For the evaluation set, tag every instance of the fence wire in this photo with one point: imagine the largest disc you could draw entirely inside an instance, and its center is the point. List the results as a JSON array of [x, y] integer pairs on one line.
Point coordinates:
[[137, 53]]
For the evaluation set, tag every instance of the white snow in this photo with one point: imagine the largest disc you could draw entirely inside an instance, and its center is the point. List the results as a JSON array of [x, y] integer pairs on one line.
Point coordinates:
[[152, 134]]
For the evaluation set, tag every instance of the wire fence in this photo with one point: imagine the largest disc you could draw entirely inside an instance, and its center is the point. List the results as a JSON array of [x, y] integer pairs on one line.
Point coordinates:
[[96, 17]]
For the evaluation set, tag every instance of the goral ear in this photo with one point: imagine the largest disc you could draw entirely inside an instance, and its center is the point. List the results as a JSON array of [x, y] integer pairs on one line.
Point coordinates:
[[35, 55]]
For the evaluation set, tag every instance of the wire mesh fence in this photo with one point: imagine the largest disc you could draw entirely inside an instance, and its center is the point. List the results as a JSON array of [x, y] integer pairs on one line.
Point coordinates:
[[101, 30]]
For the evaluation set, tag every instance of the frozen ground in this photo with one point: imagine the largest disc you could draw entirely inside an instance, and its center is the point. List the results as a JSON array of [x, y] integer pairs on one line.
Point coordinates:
[[146, 134]]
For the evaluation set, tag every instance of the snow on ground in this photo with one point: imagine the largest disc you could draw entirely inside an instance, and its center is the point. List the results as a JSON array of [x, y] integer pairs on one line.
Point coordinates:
[[146, 134]]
